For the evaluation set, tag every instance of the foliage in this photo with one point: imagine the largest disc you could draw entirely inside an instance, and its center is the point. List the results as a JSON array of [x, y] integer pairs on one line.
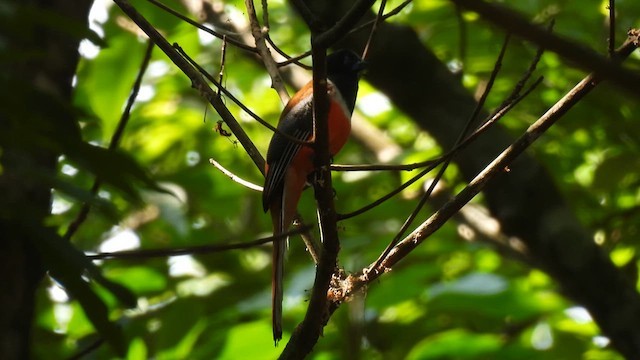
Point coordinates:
[[452, 298]]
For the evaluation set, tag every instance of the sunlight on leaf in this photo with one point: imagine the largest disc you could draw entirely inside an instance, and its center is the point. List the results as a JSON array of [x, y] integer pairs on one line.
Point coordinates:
[[476, 283], [137, 350], [203, 286], [542, 337], [456, 344], [262, 342], [403, 313], [185, 265]]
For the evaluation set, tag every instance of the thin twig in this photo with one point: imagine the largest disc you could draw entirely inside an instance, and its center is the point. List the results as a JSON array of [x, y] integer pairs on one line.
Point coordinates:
[[388, 196], [296, 59], [235, 178], [191, 250], [387, 167], [223, 56], [391, 13], [502, 111], [196, 79], [374, 27], [93, 346], [233, 41], [115, 140], [236, 100], [290, 59], [523, 80], [344, 25], [222, 89]]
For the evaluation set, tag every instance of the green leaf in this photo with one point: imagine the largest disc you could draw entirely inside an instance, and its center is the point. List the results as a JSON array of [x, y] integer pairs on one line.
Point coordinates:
[[456, 344], [114, 168], [260, 333], [65, 264], [141, 279], [617, 171], [83, 195], [137, 350]]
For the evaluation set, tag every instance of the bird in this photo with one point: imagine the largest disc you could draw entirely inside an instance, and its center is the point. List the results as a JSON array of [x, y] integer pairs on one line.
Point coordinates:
[[288, 163]]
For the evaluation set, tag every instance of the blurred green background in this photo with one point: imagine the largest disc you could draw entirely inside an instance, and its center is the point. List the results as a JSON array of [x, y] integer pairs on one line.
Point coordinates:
[[453, 298]]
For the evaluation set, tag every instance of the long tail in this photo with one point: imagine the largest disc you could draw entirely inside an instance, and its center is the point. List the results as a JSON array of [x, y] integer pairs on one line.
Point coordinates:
[[282, 213], [277, 274]]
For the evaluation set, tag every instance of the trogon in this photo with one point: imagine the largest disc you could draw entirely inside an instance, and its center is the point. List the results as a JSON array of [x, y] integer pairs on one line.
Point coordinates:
[[290, 163]]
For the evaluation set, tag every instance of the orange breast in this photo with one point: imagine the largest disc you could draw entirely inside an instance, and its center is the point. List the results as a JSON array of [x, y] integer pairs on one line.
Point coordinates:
[[339, 128]]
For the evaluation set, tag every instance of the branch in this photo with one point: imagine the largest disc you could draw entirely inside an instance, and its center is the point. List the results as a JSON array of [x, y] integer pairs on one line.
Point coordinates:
[[346, 23], [307, 333], [391, 13], [233, 41], [201, 249], [374, 27], [234, 177], [235, 99], [612, 28]]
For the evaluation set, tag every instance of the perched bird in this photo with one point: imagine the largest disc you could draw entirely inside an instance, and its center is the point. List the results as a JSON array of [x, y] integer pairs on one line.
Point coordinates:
[[289, 164]]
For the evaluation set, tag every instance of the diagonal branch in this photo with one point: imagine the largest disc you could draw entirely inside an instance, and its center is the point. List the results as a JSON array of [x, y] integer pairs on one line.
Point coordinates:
[[197, 81], [115, 141], [474, 115]]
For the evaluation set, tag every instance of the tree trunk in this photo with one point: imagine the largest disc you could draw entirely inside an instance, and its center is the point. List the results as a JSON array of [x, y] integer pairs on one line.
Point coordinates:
[[41, 43]]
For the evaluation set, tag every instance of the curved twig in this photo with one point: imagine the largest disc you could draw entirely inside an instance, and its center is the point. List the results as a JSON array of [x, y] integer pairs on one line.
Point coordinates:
[[235, 178]]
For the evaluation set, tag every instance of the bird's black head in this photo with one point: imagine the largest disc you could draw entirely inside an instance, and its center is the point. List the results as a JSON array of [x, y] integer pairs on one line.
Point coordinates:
[[344, 62], [343, 69]]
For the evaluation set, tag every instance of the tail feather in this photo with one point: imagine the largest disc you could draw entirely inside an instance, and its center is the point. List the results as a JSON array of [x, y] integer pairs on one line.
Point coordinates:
[[277, 275], [279, 250], [282, 214]]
